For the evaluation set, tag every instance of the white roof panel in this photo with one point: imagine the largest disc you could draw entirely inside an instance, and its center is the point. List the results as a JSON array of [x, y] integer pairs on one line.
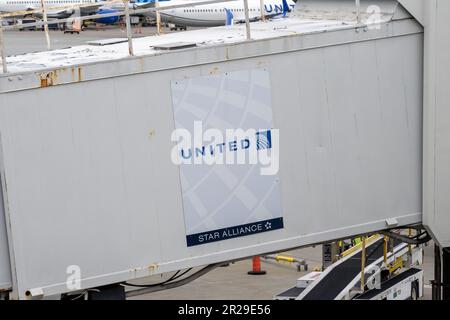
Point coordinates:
[[145, 46]]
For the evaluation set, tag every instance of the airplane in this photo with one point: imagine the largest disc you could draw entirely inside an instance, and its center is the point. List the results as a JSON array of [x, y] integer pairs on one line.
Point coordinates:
[[88, 7], [218, 14]]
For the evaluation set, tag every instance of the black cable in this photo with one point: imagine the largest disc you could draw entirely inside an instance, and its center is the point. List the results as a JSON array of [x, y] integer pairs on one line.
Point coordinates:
[[182, 274], [174, 284], [415, 240], [173, 277]]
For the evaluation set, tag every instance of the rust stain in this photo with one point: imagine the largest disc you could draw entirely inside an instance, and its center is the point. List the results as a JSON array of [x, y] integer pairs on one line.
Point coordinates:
[[214, 70], [151, 133], [153, 266], [261, 63], [44, 82], [51, 78], [48, 79]]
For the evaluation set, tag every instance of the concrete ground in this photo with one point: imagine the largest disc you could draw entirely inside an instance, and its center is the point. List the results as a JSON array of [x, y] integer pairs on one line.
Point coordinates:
[[231, 282]]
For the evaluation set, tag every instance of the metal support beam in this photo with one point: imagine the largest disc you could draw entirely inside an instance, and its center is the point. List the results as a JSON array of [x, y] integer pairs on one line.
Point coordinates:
[[329, 254], [363, 262], [44, 15], [436, 294], [261, 5], [446, 274], [2, 48], [358, 11], [128, 25], [158, 19], [247, 20]]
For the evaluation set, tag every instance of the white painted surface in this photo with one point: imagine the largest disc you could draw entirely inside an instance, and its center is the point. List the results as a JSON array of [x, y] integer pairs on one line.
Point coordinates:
[[436, 175], [5, 269], [89, 176]]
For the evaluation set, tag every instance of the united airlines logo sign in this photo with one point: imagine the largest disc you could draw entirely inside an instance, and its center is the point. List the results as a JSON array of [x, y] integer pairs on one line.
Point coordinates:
[[227, 151], [235, 146], [264, 140]]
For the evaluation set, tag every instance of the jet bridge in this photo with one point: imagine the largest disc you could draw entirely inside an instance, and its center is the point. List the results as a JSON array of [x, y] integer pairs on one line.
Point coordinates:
[[87, 176]]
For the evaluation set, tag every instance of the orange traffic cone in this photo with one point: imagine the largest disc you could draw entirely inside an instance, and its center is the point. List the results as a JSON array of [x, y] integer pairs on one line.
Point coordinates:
[[256, 267]]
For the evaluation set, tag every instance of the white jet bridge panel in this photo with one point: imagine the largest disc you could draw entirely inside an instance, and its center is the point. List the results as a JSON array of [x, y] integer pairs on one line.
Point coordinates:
[[86, 150], [5, 268]]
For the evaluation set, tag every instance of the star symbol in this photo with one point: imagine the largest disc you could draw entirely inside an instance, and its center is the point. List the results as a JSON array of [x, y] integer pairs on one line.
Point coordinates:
[[268, 225]]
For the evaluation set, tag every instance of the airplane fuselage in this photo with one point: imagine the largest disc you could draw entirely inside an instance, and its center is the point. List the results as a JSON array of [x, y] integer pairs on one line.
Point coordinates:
[[215, 14], [24, 5]]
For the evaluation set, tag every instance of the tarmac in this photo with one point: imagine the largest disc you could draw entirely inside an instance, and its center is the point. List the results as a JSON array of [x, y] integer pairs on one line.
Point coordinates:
[[228, 282], [233, 283], [19, 42]]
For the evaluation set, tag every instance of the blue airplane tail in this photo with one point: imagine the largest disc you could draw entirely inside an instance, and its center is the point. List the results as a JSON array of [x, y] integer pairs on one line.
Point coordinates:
[[286, 8], [229, 20]]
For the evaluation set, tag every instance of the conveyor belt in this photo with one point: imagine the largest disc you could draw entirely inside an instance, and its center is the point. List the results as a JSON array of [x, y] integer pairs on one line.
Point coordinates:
[[291, 293], [329, 287], [388, 284]]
